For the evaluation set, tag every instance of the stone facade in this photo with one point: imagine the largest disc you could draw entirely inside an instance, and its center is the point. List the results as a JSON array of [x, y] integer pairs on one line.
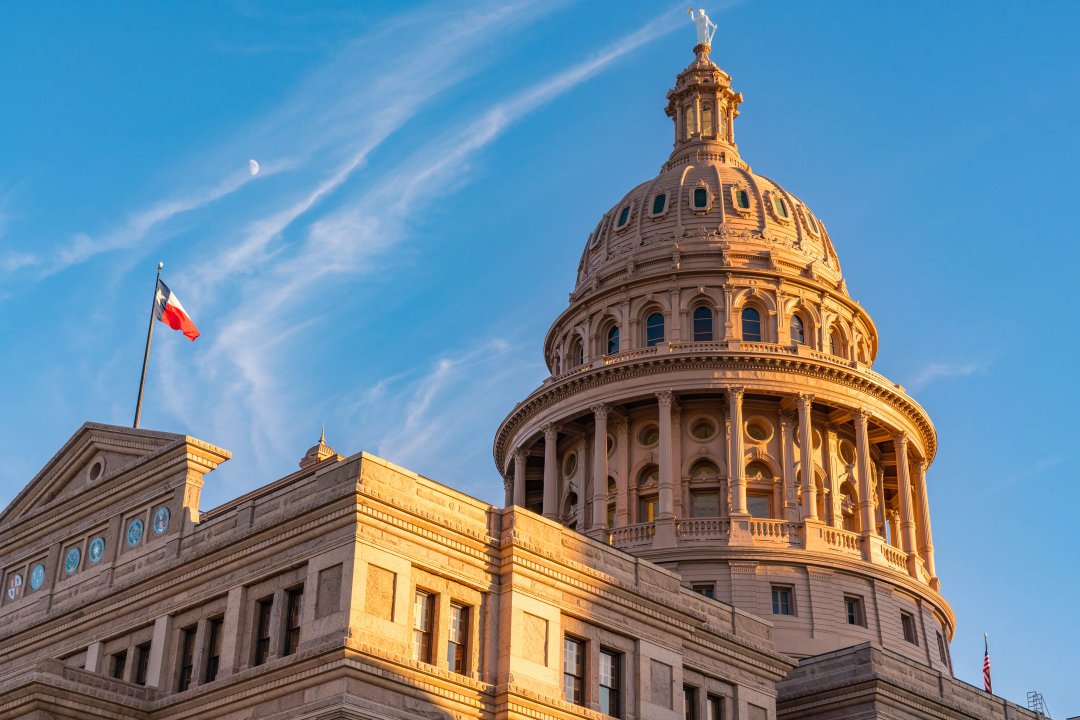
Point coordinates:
[[347, 589]]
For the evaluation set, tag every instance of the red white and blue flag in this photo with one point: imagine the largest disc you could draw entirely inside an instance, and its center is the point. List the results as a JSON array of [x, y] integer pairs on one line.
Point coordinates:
[[987, 685], [167, 309]]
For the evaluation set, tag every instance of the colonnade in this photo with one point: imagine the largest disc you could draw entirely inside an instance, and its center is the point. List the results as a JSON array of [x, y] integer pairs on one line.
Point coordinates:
[[915, 539]]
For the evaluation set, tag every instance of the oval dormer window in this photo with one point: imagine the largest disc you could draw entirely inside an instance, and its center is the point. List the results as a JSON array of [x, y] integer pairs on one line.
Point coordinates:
[[742, 199], [659, 204], [780, 207], [811, 223], [700, 198], [624, 216]]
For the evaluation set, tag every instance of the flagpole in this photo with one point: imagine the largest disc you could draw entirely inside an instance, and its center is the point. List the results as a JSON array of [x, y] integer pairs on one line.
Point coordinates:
[[146, 354]]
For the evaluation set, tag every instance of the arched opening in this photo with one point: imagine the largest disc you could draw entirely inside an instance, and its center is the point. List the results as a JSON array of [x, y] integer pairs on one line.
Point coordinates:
[[691, 121], [705, 498], [849, 508], [648, 487], [654, 329], [836, 344], [707, 119], [613, 340], [751, 324], [703, 324], [577, 353], [798, 330]]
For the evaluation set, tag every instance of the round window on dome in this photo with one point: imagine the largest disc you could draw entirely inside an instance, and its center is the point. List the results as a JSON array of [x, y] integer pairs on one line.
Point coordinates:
[[570, 464], [759, 430], [702, 429], [649, 435]]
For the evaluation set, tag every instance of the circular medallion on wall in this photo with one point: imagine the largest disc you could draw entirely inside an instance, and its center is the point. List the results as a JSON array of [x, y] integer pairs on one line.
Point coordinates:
[[702, 429], [96, 470], [570, 464], [759, 430], [96, 551], [14, 585], [649, 435], [134, 532], [161, 520], [37, 577], [71, 560]]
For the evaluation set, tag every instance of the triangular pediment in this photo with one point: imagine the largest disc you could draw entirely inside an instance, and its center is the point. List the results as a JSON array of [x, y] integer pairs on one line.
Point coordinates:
[[93, 455]]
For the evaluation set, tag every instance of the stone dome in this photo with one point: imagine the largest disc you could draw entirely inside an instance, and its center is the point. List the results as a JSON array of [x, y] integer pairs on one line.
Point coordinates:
[[712, 406]]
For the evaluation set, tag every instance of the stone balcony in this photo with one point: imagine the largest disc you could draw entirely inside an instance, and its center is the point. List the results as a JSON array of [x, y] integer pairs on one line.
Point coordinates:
[[751, 532]]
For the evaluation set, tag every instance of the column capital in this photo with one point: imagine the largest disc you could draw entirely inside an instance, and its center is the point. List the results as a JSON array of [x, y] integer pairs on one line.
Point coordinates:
[[901, 441], [600, 411], [665, 398], [550, 430], [805, 399], [861, 416], [921, 467], [736, 393], [521, 454]]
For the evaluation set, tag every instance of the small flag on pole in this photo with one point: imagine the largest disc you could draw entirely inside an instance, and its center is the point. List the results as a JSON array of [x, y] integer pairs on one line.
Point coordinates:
[[987, 685], [167, 309]]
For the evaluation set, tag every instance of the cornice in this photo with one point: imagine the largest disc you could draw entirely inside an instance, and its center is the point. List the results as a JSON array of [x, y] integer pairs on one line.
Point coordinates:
[[738, 361]]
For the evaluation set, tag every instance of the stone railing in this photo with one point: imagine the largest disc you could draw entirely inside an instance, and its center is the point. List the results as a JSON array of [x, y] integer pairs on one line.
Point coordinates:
[[632, 535], [629, 355], [895, 557], [842, 540], [770, 348], [774, 532], [703, 529]]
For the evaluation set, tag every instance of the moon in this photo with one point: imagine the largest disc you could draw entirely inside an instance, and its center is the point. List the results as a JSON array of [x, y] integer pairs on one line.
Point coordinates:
[[253, 168]]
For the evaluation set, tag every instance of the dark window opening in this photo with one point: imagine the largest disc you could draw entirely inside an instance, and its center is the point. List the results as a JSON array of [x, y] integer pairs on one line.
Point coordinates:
[[613, 340], [659, 203], [654, 330], [117, 665], [214, 631], [293, 618], [703, 324], [187, 657], [701, 198], [262, 630], [751, 325], [142, 663]]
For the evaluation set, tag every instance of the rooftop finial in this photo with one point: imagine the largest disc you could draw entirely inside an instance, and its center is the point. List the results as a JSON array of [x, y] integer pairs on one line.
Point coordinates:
[[322, 434], [706, 29]]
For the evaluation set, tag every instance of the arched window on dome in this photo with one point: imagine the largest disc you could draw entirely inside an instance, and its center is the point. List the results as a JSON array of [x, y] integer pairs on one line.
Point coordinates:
[[613, 340], [654, 329], [648, 483], [798, 331], [624, 217], [751, 324], [836, 344], [577, 352], [849, 507], [703, 324], [707, 119], [690, 114]]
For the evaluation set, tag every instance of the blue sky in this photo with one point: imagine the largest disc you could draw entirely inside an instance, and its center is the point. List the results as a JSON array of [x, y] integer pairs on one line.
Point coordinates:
[[429, 176]]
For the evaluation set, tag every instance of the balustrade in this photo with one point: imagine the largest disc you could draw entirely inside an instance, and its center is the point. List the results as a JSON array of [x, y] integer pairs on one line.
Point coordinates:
[[774, 531], [632, 535], [703, 529], [895, 557], [843, 540]]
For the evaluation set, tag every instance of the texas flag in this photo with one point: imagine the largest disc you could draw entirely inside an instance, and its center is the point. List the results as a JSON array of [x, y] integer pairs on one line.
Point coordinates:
[[167, 309]]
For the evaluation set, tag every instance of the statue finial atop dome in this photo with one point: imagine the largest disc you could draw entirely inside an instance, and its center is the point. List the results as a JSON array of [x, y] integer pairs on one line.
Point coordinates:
[[706, 29]]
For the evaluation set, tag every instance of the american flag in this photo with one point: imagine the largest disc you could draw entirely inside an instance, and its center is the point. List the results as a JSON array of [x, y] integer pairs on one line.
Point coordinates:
[[987, 685]]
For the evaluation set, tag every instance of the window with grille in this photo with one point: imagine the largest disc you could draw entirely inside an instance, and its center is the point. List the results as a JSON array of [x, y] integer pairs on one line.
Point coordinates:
[[853, 606], [574, 670], [610, 683], [457, 649], [782, 600], [423, 625]]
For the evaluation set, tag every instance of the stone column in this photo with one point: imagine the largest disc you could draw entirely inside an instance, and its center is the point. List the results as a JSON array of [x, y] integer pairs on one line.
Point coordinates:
[[521, 458], [735, 451], [806, 460], [787, 468], [678, 508], [666, 510], [835, 515], [729, 317], [907, 516], [551, 471], [926, 539], [622, 479], [862, 468], [600, 466]]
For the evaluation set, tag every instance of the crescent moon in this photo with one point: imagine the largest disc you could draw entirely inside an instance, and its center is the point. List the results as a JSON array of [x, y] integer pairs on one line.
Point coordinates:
[[253, 168]]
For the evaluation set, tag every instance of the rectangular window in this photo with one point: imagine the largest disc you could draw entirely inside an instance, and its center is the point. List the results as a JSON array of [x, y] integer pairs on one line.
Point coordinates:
[[759, 506], [187, 657], [214, 631], [782, 600], [689, 702], [117, 665], [262, 629], [907, 620], [293, 617], [705, 504], [715, 706], [610, 676], [423, 625], [706, 589], [574, 670], [142, 663], [457, 649], [647, 509], [853, 605]]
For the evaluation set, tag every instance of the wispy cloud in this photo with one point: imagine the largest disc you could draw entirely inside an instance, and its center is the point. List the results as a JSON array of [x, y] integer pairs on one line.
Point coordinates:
[[938, 371]]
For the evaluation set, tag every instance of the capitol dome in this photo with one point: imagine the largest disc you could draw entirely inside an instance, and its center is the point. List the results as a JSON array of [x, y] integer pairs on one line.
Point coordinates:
[[712, 406]]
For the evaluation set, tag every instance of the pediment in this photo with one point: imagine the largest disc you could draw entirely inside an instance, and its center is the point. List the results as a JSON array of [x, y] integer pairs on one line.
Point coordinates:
[[93, 455]]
